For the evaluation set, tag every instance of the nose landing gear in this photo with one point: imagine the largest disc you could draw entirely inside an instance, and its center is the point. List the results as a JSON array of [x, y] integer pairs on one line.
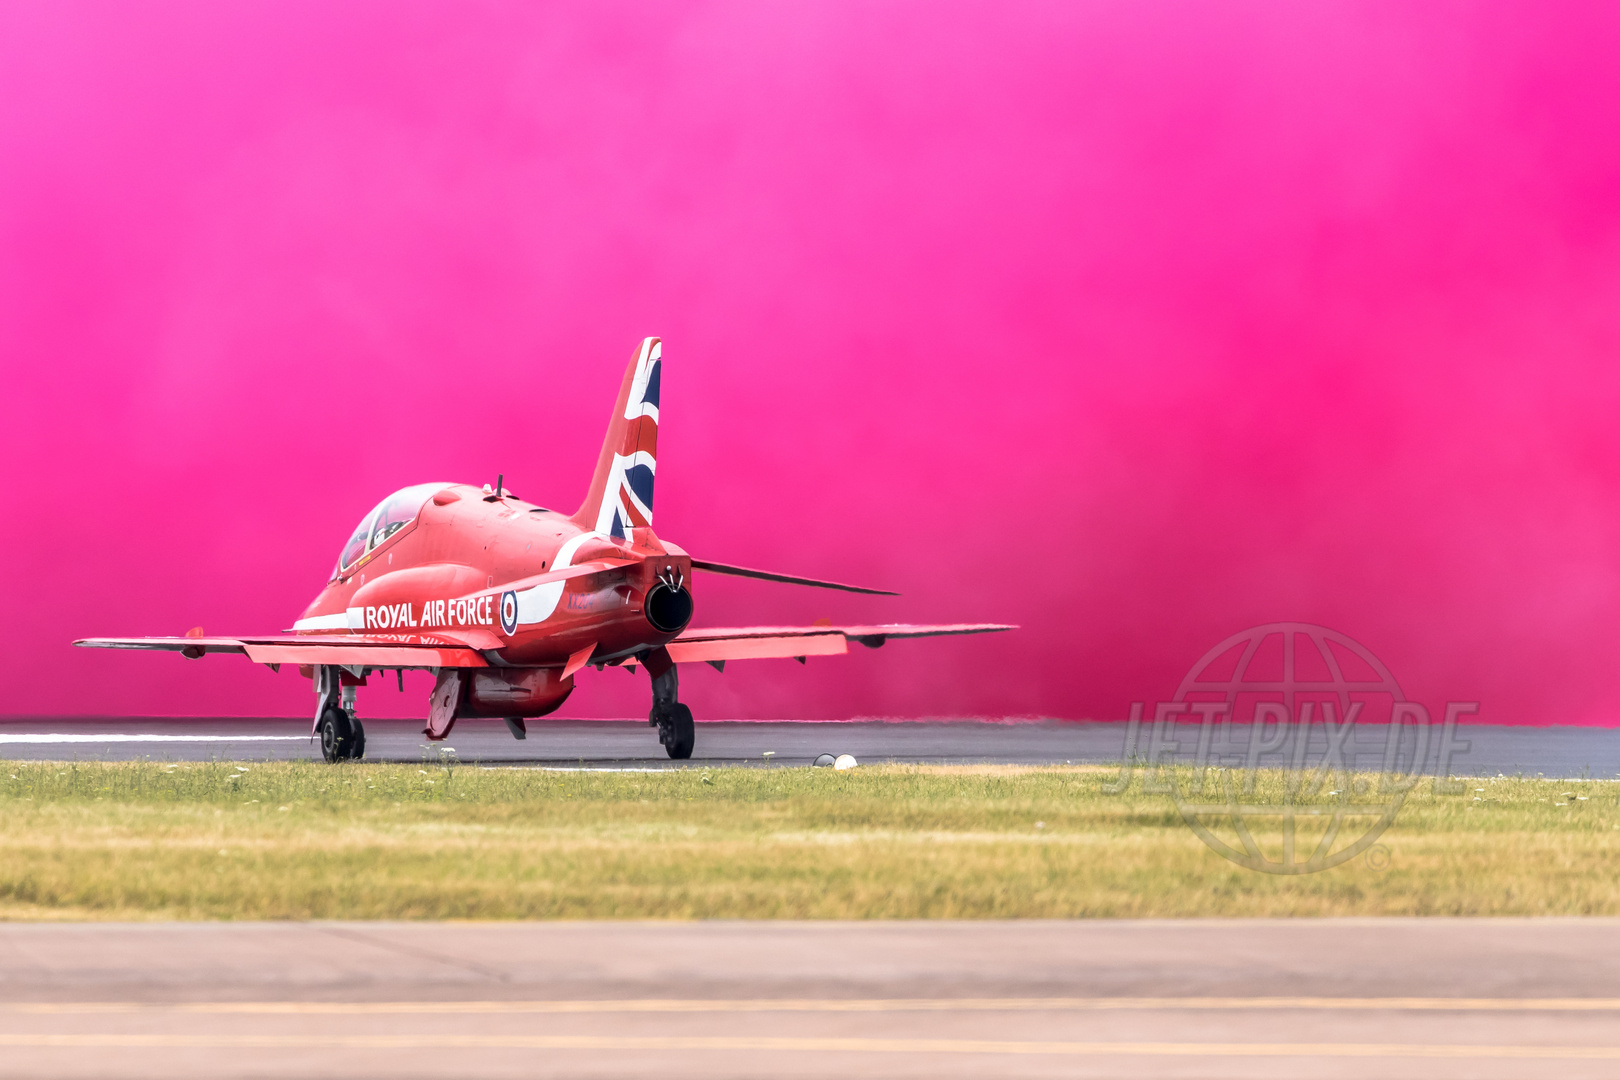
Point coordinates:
[[672, 719]]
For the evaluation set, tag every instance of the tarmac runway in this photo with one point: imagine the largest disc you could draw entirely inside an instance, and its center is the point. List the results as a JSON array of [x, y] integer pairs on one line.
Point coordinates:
[[1430, 998], [1491, 749]]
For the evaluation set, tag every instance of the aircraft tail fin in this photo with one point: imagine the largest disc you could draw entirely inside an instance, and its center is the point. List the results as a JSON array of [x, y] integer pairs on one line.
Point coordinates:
[[621, 492]]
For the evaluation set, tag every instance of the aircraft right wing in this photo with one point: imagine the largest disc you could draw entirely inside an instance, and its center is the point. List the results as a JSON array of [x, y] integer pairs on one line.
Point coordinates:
[[716, 646]]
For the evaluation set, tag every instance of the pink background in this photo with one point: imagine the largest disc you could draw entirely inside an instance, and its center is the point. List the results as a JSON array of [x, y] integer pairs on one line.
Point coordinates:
[[1136, 324]]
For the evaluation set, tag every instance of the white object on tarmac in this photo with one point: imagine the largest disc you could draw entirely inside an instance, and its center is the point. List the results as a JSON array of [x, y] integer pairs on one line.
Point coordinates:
[[844, 761]]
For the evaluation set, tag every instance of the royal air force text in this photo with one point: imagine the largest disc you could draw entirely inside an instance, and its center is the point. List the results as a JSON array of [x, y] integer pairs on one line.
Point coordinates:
[[472, 611]]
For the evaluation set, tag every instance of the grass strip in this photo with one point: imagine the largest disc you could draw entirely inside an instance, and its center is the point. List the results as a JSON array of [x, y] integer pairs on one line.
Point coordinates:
[[295, 840]]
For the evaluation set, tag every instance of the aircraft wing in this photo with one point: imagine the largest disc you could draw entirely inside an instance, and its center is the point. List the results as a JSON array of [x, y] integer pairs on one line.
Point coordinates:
[[349, 650], [716, 646]]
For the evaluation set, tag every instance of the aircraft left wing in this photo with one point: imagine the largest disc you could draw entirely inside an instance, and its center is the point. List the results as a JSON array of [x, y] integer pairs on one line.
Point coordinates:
[[348, 650], [716, 646]]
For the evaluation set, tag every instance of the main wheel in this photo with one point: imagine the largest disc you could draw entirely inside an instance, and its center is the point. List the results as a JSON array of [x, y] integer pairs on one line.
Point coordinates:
[[337, 734], [357, 739], [676, 732]]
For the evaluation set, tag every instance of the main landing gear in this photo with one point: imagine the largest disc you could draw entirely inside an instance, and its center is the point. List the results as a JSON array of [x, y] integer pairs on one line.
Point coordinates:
[[343, 737], [672, 719]]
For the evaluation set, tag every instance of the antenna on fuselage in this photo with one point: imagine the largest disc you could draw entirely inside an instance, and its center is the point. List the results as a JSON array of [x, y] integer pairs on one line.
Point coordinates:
[[500, 484]]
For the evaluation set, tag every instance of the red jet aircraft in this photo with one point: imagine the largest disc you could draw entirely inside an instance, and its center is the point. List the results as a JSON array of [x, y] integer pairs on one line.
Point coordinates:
[[506, 601]]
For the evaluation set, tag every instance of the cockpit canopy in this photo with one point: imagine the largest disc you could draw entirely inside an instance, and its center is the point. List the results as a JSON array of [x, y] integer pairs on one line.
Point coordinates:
[[389, 516]]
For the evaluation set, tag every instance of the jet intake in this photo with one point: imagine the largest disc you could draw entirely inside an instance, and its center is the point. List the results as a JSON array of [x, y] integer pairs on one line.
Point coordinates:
[[669, 610]]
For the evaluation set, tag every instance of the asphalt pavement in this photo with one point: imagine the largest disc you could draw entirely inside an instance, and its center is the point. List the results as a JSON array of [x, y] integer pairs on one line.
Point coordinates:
[[1490, 749], [1429, 998]]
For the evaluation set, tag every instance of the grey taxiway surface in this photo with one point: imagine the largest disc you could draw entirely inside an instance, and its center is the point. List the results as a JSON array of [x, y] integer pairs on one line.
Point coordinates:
[[1490, 749], [1431, 998]]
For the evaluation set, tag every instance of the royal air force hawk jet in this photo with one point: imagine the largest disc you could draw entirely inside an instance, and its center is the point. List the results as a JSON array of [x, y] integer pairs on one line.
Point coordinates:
[[505, 601]]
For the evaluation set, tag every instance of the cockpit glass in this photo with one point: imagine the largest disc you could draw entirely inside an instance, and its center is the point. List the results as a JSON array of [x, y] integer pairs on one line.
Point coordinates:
[[396, 513], [356, 546], [390, 516]]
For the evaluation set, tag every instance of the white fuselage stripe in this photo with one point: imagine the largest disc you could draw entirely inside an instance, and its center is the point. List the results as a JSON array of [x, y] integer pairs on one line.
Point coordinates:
[[340, 621], [536, 605]]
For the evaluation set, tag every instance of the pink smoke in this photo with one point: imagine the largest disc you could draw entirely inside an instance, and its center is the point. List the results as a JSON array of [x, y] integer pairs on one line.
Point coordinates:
[[1133, 324]]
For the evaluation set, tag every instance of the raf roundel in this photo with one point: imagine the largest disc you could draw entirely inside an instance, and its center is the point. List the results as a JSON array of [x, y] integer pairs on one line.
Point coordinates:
[[509, 612]]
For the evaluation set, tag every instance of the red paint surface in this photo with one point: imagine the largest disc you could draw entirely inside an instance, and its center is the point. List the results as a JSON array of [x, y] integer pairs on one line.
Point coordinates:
[[1137, 325]]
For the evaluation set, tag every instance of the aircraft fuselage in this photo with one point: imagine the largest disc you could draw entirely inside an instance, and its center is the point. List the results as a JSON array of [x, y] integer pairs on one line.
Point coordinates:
[[464, 570]]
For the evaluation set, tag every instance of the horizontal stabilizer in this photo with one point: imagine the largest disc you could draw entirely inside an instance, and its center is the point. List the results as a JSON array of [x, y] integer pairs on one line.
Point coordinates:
[[785, 579]]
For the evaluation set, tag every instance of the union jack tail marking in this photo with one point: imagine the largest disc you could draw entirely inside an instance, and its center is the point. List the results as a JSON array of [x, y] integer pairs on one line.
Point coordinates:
[[621, 493]]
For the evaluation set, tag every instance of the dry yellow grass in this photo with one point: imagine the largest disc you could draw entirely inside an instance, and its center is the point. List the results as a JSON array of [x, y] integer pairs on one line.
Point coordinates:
[[302, 840]]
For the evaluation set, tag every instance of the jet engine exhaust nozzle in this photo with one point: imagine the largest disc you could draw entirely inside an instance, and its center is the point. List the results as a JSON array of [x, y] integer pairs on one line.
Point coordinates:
[[669, 610]]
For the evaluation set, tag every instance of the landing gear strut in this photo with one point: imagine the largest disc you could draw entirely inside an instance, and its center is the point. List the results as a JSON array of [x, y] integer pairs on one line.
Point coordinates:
[[343, 737], [672, 719]]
